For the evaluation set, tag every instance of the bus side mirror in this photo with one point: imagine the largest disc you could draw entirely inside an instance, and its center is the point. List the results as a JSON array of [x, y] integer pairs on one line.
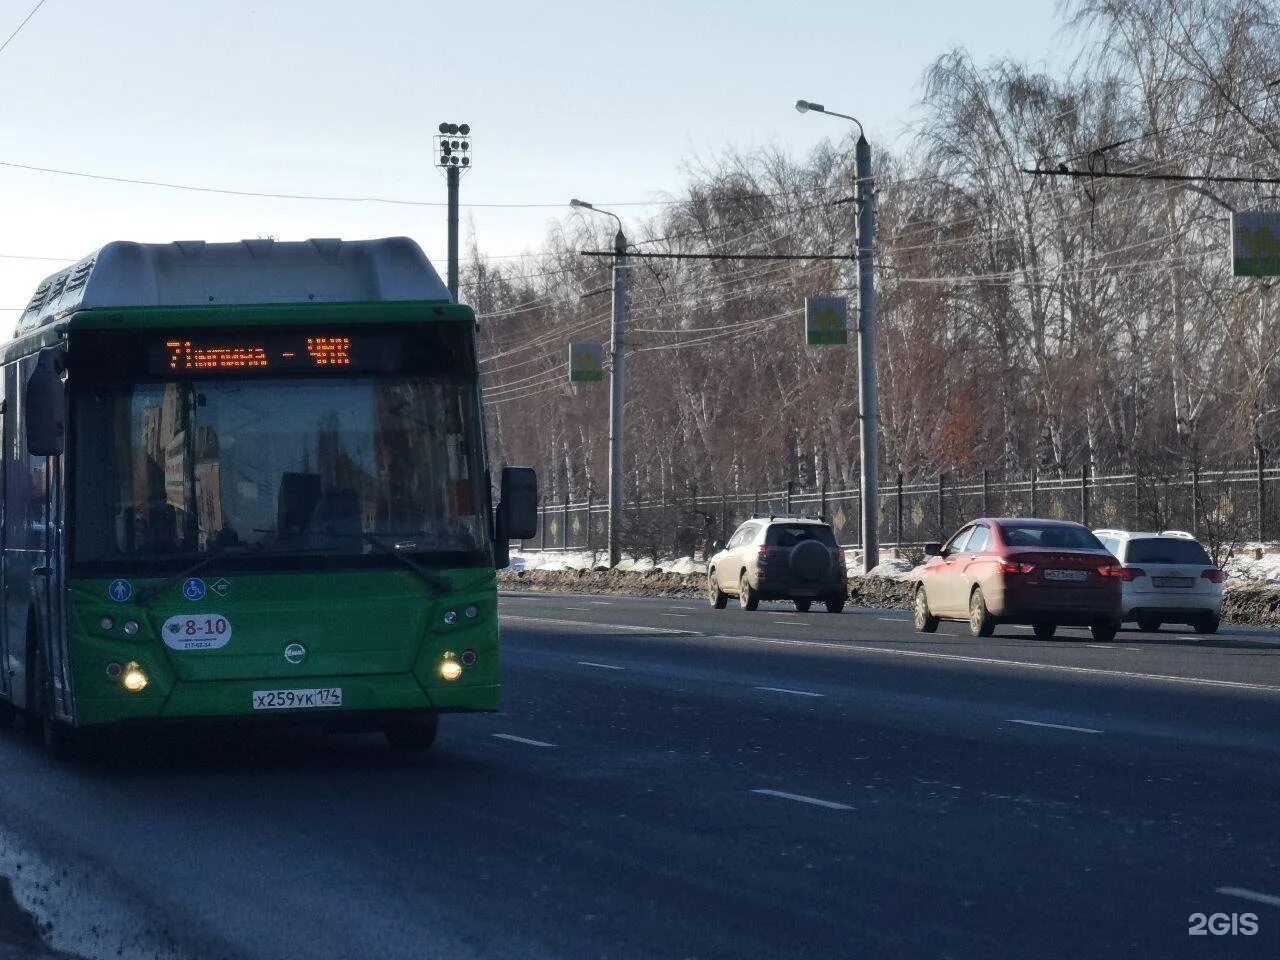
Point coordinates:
[[44, 406], [517, 510]]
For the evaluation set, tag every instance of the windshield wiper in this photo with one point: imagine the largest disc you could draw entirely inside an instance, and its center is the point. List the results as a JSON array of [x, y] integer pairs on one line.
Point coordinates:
[[147, 594], [442, 585]]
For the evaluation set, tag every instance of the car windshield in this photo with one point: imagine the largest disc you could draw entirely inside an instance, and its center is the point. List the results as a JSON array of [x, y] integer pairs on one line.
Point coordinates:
[[1171, 550], [1058, 536], [789, 534], [340, 466]]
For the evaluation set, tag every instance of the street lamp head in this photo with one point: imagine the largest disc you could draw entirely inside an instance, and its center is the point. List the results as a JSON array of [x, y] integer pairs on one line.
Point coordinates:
[[804, 106], [575, 202]]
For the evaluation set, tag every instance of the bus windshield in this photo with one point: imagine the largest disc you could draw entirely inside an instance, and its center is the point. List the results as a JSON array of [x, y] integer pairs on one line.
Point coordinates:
[[313, 466]]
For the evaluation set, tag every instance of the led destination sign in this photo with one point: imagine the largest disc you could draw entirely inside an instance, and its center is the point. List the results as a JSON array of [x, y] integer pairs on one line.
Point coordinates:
[[183, 355], [198, 353]]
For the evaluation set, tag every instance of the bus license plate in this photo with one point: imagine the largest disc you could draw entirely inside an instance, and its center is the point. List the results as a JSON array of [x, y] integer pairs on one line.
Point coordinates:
[[297, 699]]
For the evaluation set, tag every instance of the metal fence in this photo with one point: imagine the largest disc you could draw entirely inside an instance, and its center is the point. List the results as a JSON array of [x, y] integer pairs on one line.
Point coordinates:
[[1221, 507]]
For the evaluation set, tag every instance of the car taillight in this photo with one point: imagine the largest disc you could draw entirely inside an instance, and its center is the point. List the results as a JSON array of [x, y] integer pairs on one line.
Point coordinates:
[[1127, 574], [1213, 575], [1012, 566], [840, 556], [763, 553]]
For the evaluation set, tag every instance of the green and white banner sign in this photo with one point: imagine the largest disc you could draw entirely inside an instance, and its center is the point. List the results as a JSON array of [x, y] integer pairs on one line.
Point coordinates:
[[1255, 244], [586, 362], [826, 320]]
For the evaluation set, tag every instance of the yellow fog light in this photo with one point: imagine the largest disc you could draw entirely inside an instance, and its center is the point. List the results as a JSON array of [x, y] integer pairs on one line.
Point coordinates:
[[134, 680], [451, 669]]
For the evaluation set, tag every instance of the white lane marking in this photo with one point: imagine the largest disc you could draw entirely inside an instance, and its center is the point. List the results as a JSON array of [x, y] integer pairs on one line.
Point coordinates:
[[525, 740], [830, 805], [675, 614], [600, 603], [1190, 638], [1253, 895], [1100, 646], [602, 666], [1056, 726], [798, 693], [893, 619], [961, 658], [635, 628], [794, 623], [576, 608]]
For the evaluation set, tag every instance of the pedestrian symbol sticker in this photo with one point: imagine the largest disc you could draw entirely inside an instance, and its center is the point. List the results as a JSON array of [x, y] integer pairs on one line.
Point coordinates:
[[120, 590], [193, 589]]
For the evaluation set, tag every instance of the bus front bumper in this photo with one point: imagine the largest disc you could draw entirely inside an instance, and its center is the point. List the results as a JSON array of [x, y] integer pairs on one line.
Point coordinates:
[[361, 696]]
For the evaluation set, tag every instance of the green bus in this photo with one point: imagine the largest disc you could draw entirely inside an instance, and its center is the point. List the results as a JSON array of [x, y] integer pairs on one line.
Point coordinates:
[[248, 482]]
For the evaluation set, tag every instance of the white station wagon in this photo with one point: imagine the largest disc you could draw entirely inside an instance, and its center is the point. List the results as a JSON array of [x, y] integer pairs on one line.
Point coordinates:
[[1168, 578]]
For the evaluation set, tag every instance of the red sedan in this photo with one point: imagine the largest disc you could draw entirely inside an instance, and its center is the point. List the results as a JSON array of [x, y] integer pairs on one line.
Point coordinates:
[[1044, 573]]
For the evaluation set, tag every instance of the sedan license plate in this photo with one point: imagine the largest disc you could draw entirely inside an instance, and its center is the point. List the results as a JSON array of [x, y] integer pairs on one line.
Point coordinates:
[[1066, 574], [297, 699], [1181, 583]]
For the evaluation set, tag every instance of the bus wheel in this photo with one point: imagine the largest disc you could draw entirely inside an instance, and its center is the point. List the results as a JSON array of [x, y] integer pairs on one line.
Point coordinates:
[[414, 736]]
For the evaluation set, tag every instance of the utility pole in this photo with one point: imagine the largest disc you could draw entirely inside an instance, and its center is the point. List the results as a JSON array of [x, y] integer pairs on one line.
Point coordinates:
[[868, 394], [617, 390], [617, 377], [455, 156]]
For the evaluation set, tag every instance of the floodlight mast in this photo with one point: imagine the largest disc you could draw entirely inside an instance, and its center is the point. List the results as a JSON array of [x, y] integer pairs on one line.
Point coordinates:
[[454, 157]]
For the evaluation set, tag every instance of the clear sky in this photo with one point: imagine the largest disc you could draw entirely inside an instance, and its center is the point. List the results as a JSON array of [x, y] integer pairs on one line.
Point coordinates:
[[567, 98]]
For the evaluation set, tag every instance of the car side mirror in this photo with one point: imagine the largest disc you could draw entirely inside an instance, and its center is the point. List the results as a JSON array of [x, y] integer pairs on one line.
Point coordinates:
[[717, 546], [517, 517], [933, 549], [45, 406]]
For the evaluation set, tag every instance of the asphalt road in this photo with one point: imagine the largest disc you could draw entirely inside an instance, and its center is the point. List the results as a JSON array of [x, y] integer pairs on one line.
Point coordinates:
[[671, 781]]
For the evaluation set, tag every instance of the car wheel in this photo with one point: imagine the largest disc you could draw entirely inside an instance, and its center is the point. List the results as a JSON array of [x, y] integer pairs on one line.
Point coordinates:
[[413, 736], [719, 599], [835, 605], [1104, 632], [1149, 624], [981, 623], [747, 598], [925, 622], [1044, 631], [802, 606], [1206, 625]]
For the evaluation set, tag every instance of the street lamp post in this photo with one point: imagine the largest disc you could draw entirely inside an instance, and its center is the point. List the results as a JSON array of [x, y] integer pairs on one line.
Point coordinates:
[[617, 378], [868, 400]]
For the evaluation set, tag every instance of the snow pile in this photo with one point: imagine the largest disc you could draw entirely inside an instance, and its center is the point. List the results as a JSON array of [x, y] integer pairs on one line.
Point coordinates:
[[892, 569], [557, 560], [1246, 566]]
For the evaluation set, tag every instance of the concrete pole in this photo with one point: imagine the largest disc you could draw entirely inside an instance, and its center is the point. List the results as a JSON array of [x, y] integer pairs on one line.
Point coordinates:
[[453, 175], [617, 391], [868, 393]]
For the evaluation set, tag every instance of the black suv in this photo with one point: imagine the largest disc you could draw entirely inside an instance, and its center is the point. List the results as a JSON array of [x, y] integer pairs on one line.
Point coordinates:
[[779, 558]]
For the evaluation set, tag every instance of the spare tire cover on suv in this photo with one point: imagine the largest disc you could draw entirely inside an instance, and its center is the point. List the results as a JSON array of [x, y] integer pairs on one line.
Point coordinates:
[[810, 560]]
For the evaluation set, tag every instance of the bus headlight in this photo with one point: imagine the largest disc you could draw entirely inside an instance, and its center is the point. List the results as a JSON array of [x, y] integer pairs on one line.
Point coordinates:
[[451, 670], [107, 623], [134, 680], [450, 617], [472, 612], [131, 628]]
